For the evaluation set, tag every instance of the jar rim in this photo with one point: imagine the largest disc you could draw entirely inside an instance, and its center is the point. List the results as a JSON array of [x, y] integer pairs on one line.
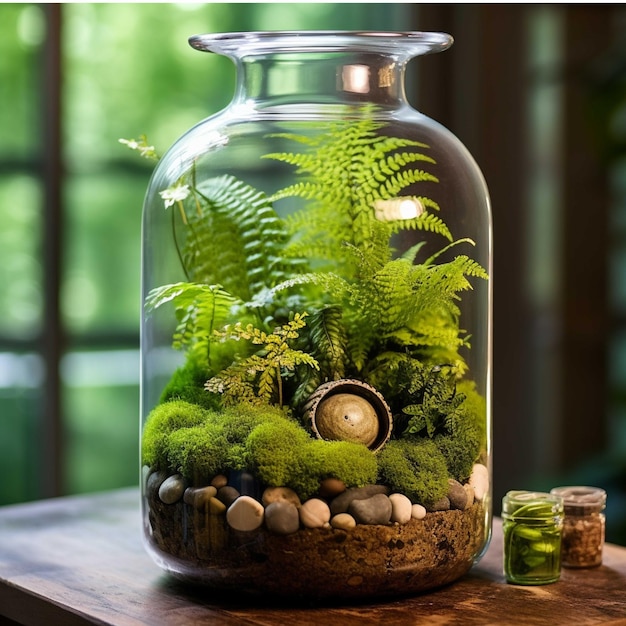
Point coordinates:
[[531, 505], [405, 44], [581, 498]]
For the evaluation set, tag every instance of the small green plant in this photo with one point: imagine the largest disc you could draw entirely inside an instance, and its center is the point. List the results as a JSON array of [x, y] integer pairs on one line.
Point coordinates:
[[258, 378]]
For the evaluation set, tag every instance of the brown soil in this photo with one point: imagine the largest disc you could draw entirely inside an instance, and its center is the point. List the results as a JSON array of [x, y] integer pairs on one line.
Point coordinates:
[[363, 562]]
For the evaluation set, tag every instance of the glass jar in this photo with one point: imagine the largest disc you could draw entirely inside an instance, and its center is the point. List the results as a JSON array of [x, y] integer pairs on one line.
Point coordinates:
[[316, 330], [532, 523], [583, 526]]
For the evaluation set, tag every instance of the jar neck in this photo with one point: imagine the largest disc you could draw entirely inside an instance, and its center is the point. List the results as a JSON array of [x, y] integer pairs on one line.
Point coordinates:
[[311, 69], [318, 79]]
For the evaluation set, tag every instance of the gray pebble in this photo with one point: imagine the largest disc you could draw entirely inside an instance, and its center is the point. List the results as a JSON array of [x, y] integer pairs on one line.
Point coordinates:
[[227, 494], [342, 502], [374, 510], [153, 482], [457, 495], [172, 489], [282, 517], [443, 504]]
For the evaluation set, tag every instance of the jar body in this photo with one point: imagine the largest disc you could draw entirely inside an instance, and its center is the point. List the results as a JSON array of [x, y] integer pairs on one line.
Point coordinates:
[[314, 420], [532, 525], [583, 526]]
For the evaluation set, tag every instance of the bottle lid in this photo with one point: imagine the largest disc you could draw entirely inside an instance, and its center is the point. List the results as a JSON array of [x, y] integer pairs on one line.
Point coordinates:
[[581, 500], [531, 505]]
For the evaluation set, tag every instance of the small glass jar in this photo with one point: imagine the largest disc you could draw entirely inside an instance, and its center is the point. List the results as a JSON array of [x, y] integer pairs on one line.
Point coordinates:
[[583, 525], [532, 523]]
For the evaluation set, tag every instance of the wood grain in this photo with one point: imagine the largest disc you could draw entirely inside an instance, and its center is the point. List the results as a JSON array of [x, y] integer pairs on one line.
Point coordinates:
[[80, 560]]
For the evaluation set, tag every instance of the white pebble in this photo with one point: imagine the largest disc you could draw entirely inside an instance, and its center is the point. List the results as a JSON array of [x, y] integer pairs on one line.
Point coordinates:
[[314, 513], [418, 511], [245, 514], [400, 508], [479, 480], [172, 489]]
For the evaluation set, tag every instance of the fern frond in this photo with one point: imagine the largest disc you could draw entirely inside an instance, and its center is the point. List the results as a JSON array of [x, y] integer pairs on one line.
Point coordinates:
[[343, 172], [235, 238], [198, 308]]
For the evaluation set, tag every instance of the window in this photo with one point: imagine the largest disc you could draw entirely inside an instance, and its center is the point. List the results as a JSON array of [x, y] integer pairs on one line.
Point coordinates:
[[75, 78]]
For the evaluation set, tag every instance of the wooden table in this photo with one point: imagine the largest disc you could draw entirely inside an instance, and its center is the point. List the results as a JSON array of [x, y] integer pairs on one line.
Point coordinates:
[[79, 560]]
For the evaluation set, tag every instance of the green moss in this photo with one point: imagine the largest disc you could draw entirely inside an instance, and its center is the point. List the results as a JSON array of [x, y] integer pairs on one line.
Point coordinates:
[[282, 453], [275, 452], [199, 452], [415, 468], [353, 463], [163, 420]]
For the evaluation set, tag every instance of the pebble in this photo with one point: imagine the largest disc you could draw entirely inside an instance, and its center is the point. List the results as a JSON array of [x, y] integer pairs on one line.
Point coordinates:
[[342, 502], [199, 497], [469, 490], [172, 489], [331, 487], [457, 495], [314, 513], [280, 494], [418, 511], [216, 507], [443, 504], [374, 510], [282, 518], [479, 480], [400, 508], [227, 494], [343, 521], [245, 513], [154, 482], [219, 481]]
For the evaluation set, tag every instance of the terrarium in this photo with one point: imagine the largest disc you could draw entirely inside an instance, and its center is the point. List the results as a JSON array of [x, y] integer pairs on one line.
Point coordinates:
[[316, 330]]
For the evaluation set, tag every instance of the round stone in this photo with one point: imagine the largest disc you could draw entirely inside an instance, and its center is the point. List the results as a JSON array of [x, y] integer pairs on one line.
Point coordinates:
[[343, 521], [443, 504], [280, 494], [228, 494], [479, 480], [216, 507], [331, 487], [245, 514], [374, 510], [347, 417], [314, 513], [219, 481], [457, 495], [418, 511], [342, 502], [469, 490], [282, 518], [172, 489], [400, 508], [199, 497]]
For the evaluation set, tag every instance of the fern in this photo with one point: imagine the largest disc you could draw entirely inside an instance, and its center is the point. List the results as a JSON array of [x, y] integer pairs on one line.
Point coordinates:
[[342, 174], [258, 378], [234, 238], [327, 342], [199, 309]]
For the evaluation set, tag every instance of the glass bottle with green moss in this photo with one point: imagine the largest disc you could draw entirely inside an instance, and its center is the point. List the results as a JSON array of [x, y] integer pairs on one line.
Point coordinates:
[[316, 330]]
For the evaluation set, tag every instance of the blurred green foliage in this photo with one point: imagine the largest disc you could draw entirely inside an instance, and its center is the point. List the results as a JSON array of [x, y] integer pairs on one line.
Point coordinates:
[[126, 70]]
